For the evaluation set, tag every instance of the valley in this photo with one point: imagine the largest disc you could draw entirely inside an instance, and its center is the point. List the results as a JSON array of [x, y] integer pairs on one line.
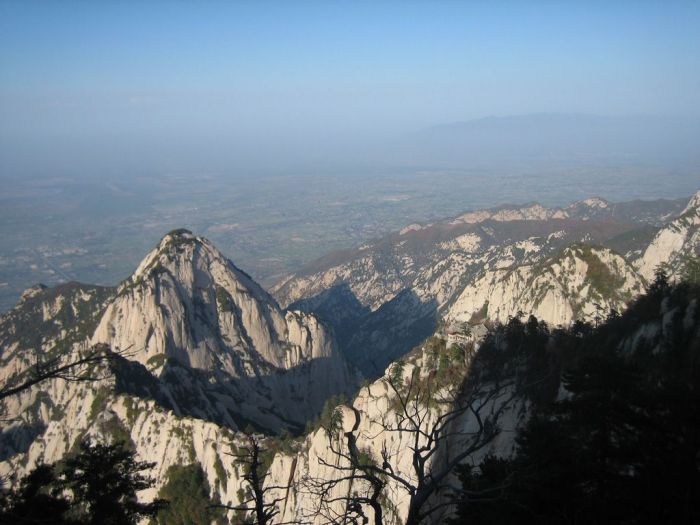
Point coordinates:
[[349, 263], [354, 356], [96, 229]]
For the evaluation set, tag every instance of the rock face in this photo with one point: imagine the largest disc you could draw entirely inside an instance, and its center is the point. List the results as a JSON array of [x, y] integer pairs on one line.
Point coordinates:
[[207, 351], [678, 239], [646, 331], [384, 297], [189, 308], [581, 282], [199, 337], [187, 302], [68, 412], [204, 351], [48, 321], [533, 212]]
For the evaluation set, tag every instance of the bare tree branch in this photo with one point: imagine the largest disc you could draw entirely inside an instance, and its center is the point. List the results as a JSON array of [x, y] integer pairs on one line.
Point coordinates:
[[75, 370]]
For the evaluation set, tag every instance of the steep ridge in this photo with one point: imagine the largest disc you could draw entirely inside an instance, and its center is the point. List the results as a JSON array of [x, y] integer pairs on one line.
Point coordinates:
[[594, 208], [167, 439], [187, 302], [580, 283], [203, 351], [399, 257], [188, 309], [676, 241], [656, 322], [67, 312], [412, 277], [47, 322], [184, 407], [198, 336]]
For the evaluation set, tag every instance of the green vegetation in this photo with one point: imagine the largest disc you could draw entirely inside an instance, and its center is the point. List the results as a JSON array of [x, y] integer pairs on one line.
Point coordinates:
[[598, 274], [177, 238], [255, 504], [622, 446], [99, 401], [113, 428], [77, 310], [690, 269], [518, 253], [220, 472], [396, 372], [57, 414], [156, 361], [328, 418], [132, 410], [456, 354], [432, 348], [97, 485], [480, 316], [223, 300], [187, 490], [285, 443]]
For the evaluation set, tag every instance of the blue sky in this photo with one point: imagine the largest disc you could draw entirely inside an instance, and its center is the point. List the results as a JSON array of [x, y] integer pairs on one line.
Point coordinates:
[[153, 76]]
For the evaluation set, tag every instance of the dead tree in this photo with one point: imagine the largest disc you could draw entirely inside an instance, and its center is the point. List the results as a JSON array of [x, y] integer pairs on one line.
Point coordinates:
[[366, 484], [258, 498], [430, 408], [80, 368]]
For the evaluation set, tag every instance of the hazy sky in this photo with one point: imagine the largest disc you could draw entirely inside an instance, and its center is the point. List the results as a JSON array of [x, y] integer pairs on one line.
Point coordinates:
[[160, 83]]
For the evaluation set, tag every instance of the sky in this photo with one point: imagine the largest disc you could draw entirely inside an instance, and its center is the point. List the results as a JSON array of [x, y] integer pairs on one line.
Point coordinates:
[[118, 85]]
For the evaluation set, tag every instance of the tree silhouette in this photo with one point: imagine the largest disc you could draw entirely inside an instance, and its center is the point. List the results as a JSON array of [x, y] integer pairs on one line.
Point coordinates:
[[96, 486], [104, 480], [187, 491], [80, 368], [622, 445], [428, 409], [259, 502], [36, 500]]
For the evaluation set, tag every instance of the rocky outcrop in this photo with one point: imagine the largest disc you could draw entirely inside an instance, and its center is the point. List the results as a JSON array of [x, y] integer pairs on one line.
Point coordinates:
[[188, 307], [186, 301], [676, 241], [202, 351], [198, 337], [384, 298], [212, 379], [582, 282], [48, 321], [525, 213], [71, 412]]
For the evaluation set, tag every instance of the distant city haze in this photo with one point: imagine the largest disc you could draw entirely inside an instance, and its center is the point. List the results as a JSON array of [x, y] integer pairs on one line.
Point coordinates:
[[285, 130], [118, 88]]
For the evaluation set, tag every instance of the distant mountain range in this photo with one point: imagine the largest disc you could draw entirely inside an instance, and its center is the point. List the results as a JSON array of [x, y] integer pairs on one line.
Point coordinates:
[[206, 353], [560, 264], [553, 139]]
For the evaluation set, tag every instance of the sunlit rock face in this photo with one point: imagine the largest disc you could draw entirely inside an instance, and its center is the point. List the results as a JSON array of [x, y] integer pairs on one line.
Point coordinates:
[[199, 337], [561, 264], [582, 282], [208, 352], [205, 352], [186, 301], [677, 240]]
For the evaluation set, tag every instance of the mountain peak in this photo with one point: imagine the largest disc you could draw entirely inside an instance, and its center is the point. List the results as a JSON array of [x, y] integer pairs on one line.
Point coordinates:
[[180, 235], [32, 291], [694, 202], [179, 249], [596, 202], [179, 232], [187, 303]]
